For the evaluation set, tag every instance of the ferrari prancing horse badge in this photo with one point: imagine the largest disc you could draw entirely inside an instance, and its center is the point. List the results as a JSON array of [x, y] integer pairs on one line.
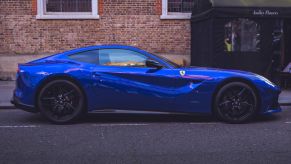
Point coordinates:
[[182, 73]]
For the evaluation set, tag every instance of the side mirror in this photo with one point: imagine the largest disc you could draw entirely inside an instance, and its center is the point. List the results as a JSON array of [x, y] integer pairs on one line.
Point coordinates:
[[153, 64]]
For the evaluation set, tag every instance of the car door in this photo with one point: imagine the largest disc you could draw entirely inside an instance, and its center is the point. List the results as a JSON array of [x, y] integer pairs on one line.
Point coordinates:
[[123, 81]]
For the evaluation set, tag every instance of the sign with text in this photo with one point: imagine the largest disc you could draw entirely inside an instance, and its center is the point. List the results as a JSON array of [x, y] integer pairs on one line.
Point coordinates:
[[261, 12]]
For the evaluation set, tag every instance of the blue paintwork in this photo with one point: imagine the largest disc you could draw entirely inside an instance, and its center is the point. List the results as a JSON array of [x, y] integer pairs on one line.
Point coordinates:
[[130, 88]]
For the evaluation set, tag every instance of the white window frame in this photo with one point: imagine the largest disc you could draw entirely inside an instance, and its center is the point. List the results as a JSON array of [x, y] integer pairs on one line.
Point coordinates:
[[172, 15], [42, 14]]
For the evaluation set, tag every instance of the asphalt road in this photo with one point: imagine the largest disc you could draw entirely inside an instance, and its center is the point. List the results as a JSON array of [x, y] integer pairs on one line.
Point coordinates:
[[128, 138]]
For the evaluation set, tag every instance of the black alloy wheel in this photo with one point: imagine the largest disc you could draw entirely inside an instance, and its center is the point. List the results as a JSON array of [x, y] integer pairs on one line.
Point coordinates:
[[236, 102], [61, 101]]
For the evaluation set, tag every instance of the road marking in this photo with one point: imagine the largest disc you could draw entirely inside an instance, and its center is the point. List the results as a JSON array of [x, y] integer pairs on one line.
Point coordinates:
[[111, 125], [136, 124], [287, 122], [202, 123], [21, 126]]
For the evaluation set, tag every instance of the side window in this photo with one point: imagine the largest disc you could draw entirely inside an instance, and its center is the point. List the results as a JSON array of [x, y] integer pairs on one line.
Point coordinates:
[[86, 57], [120, 57]]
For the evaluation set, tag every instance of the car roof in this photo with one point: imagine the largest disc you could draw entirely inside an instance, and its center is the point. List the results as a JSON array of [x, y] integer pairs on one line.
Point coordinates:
[[96, 47], [89, 48], [114, 46]]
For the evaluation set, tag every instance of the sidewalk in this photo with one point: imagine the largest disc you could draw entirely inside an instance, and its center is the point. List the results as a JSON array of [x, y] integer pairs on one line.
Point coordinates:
[[6, 92], [285, 98], [7, 87]]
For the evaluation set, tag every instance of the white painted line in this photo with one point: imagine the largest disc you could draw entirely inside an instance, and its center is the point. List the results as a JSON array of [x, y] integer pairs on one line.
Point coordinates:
[[136, 124], [21, 126], [287, 122], [111, 125], [206, 123]]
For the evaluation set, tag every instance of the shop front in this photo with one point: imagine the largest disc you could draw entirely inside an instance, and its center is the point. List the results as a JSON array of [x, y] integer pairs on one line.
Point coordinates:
[[246, 35]]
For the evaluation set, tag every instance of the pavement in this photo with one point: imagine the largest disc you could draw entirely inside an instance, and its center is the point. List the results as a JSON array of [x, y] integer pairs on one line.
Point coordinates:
[[7, 87], [6, 92], [285, 98], [144, 139]]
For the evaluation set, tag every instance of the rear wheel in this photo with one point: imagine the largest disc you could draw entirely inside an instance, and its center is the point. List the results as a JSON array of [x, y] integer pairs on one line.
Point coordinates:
[[236, 102], [61, 101]]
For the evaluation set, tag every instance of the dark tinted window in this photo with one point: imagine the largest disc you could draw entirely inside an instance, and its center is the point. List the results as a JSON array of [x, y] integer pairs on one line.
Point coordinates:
[[86, 57], [68, 5], [181, 6]]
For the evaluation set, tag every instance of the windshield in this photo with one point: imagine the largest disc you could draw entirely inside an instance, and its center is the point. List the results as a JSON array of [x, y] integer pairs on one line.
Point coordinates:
[[173, 64]]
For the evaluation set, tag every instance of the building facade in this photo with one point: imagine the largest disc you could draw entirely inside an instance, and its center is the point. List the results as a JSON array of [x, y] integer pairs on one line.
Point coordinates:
[[51, 26]]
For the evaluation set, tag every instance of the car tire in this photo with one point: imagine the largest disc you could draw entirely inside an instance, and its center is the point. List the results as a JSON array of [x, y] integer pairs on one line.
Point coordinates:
[[61, 101], [236, 102]]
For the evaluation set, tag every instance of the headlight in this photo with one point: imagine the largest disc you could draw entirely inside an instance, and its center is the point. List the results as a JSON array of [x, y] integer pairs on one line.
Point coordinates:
[[266, 80]]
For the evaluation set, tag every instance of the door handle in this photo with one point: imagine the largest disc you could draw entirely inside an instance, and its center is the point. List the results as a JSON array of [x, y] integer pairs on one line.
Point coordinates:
[[97, 77], [96, 74]]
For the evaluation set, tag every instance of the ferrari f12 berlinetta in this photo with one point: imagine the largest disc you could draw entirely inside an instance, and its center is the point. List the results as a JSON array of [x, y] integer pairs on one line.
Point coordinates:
[[65, 86]]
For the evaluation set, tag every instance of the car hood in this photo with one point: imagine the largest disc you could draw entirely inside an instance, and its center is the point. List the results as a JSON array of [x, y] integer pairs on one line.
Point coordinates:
[[218, 73]]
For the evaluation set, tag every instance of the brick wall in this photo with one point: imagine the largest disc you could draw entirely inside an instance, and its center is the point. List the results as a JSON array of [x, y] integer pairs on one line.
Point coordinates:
[[130, 22]]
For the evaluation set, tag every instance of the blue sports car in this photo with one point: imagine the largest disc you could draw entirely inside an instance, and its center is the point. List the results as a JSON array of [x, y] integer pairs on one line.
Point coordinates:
[[64, 86]]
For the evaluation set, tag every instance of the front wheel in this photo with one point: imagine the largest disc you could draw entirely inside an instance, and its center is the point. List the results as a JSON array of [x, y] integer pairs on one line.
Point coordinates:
[[61, 101], [236, 102]]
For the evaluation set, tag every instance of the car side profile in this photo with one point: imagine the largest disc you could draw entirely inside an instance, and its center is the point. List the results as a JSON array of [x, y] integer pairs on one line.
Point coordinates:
[[64, 86]]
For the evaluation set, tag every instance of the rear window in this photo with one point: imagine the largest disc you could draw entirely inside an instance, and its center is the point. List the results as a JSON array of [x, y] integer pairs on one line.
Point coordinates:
[[86, 57]]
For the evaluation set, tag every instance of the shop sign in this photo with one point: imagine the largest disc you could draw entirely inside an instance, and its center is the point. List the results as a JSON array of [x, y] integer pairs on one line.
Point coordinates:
[[265, 13]]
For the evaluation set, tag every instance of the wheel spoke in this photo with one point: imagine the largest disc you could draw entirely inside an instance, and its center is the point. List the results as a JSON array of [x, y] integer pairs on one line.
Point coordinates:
[[246, 104], [60, 90], [70, 106], [225, 103], [54, 109], [231, 94], [48, 98], [241, 92], [69, 93]]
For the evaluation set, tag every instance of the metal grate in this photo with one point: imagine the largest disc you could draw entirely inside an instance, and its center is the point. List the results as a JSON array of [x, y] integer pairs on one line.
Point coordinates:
[[68, 5], [181, 6]]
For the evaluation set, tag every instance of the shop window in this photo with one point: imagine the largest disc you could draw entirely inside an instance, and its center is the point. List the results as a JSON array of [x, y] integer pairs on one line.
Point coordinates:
[[242, 35], [67, 9]]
